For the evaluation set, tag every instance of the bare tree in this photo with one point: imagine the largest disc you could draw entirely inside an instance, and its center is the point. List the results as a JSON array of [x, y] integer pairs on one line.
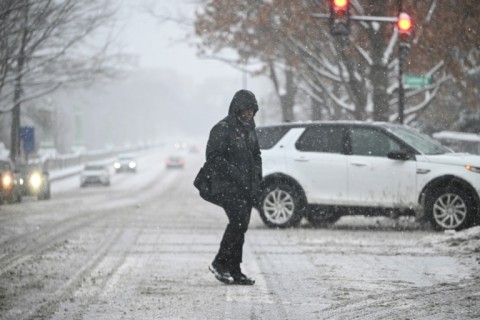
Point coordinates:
[[51, 43], [354, 77], [8, 14]]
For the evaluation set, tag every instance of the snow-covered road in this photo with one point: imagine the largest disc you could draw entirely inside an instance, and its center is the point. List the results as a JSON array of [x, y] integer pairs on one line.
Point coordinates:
[[140, 248]]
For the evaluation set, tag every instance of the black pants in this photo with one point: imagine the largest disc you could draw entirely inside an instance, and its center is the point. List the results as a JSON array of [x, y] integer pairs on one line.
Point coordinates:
[[238, 211]]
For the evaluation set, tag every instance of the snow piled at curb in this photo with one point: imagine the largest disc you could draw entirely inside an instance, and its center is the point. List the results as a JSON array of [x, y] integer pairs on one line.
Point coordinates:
[[466, 241]]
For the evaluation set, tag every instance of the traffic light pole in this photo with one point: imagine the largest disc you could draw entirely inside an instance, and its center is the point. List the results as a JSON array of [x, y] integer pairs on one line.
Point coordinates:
[[401, 58], [401, 89]]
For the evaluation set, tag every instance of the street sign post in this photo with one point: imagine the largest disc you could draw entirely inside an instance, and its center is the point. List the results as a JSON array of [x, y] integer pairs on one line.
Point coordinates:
[[416, 82], [27, 138]]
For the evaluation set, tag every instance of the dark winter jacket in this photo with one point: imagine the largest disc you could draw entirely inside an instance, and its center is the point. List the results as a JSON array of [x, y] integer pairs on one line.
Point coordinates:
[[233, 151]]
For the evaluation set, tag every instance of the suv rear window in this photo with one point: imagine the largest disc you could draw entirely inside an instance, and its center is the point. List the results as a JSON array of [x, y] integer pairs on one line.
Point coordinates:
[[269, 136], [322, 139]]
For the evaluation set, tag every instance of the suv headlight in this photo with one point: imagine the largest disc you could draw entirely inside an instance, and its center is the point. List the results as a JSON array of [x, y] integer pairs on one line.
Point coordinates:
[[472, 168], [7, 181], [35, 180]]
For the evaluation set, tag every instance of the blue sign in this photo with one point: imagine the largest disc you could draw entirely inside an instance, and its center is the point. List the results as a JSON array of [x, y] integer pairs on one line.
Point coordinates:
[[27, 137]]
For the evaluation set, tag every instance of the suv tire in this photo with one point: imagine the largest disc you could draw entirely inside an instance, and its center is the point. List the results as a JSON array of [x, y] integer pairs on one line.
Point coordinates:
[[15, 197], [45, 194], [450, 208], [281, 205]]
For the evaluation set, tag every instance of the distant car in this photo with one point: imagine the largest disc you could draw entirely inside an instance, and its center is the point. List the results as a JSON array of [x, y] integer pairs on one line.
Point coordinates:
[[10, 183], [125, 163], [95, 174], [180, 145], [175, 162], [35, 181]]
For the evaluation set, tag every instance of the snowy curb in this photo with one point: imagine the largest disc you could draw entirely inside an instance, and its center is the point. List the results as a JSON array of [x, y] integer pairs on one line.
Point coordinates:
[[65, 173], [467, 241], [75, 170]]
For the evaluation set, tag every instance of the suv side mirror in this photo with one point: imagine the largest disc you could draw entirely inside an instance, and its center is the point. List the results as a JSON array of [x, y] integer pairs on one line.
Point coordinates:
[[399, 155]]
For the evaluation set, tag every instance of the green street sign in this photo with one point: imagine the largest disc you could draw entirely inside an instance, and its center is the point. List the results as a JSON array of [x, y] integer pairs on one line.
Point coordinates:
[[416, 82]]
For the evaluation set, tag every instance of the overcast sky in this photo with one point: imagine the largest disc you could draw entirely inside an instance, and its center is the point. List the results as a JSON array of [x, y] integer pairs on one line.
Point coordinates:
[[171, 94], [160, 44]]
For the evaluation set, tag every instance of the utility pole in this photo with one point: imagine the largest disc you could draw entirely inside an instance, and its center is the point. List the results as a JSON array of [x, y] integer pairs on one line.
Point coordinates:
[[244, 79], [245, 74], [404, 26]]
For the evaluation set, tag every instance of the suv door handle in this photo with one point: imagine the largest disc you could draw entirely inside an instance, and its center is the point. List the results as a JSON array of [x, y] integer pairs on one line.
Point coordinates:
[[301, 159], [359, 164]]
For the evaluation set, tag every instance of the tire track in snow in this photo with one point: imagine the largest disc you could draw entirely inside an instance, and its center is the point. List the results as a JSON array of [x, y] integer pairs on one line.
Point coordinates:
[[101, 274], [39, 311], [38, 241]]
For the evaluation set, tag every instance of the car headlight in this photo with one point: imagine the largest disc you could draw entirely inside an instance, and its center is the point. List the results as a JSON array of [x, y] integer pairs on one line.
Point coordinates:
[[7, 181], [20, 181], [472, 168], [132, 165], [35, 180], [116, 165]]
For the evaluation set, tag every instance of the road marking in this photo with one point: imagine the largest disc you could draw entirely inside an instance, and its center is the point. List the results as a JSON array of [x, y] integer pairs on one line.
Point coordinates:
[[240, 299]]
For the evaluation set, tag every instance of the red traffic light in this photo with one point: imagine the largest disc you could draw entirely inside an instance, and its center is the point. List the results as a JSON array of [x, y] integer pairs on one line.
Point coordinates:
[[339, 17], [340, 4], [404, 23]]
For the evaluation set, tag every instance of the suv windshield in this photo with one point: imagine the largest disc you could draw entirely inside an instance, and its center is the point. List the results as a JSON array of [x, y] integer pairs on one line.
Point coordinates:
[[269, 136], [421, 142], [94, 168]]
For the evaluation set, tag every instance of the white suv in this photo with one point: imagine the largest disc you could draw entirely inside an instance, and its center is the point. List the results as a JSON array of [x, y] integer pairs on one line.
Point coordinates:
[[323, 170]]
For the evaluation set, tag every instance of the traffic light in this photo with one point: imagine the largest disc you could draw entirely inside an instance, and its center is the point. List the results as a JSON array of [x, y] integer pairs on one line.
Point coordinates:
[[340, 4], [339, 17], [404, 26]]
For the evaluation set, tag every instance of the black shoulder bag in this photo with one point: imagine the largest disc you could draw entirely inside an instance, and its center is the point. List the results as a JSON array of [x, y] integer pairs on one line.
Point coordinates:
[[203, 182]]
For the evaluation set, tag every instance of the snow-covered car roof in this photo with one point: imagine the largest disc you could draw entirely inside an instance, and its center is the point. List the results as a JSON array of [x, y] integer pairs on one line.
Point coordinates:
[[454, 135], [302, 124]]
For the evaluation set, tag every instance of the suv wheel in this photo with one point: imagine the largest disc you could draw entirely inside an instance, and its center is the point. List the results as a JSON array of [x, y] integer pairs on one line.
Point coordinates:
[[450, 208], [48, 193], [14, 197], [322, 217], [281, 206], [45, 194]]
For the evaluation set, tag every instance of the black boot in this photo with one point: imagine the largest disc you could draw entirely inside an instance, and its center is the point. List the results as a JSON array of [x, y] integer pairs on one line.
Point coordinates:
[[221, 273], [240, 278]]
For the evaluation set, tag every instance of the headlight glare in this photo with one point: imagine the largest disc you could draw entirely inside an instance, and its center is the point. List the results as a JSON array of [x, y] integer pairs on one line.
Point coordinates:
[[132, 165], [7, 181], [35, 180], [116, 165]]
